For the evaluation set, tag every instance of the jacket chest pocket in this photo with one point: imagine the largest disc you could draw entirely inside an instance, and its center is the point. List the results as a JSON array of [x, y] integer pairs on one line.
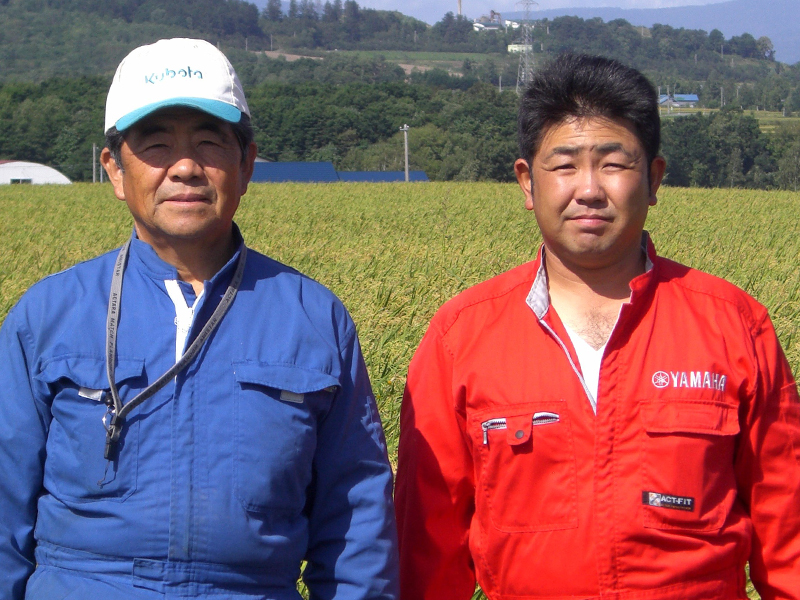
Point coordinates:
[[75, 469], [276, 412], [687, 463], [528, 479]]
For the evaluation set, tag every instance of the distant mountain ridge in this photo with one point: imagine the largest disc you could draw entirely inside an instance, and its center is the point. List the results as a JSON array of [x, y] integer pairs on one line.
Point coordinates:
[[779, 20]]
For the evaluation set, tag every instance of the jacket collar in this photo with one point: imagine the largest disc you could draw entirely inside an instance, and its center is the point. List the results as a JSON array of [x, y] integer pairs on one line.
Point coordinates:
[[144, 258], [539, 298]]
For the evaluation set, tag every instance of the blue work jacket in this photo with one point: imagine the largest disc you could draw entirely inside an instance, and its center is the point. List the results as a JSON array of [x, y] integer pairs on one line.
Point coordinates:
[[266, 451]]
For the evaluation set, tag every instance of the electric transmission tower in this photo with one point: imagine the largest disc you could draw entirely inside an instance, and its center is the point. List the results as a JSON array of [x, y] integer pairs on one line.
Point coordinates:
[[525, 70]]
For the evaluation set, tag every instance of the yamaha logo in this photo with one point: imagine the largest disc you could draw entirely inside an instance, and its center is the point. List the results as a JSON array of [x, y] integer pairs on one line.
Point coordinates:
[[689, 379], [660, 379]]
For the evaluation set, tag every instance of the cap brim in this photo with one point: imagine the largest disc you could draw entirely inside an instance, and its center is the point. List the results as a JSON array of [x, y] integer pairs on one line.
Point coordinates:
[[221, 110]]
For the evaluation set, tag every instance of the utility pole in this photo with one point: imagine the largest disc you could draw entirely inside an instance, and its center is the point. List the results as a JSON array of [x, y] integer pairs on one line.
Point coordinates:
[[94, 163], [404, 129], [501, 84]]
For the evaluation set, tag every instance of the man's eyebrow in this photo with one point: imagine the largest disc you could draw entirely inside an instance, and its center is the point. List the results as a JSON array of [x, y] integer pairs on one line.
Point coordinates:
[[564, 151], [152, 128], [149, 129], [602, 149], [610, 147], [212, 126]]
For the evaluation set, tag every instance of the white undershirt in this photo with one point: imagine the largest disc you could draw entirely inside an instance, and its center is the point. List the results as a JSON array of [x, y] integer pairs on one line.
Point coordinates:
[[184, 314], [590, 360]]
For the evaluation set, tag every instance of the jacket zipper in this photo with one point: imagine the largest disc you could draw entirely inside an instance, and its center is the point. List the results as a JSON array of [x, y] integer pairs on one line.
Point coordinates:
[[491, 424], [543, 418], [539, 418], [576, 370]]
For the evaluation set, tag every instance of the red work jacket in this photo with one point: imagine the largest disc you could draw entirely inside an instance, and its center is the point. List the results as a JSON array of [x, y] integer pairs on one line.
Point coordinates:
[[688, 468]]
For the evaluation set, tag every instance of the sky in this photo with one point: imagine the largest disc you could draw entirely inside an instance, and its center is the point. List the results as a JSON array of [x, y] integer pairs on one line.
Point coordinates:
[[431, 11]]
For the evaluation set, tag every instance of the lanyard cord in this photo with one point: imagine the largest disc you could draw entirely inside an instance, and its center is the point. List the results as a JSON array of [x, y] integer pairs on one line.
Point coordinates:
[[120, 411]]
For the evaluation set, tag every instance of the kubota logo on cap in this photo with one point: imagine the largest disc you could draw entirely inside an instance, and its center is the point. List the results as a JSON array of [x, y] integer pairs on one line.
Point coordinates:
[[172, 74]]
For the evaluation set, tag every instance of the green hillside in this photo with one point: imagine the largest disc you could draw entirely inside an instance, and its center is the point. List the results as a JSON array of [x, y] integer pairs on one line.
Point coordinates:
[[367, 72]]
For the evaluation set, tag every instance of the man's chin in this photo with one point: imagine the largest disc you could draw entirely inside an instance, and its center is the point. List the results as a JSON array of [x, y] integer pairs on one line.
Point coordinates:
[[194, 232]]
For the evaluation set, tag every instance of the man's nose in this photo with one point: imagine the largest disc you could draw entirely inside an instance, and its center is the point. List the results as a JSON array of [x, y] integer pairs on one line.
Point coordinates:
[[589, 187], [185, 167]]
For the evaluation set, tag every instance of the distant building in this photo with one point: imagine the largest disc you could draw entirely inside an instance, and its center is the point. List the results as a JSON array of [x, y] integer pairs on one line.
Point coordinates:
[[679, 100], [520, 48], [18, 171], [685, 100], [491, 22], [382, 176], [276, 172], [478, 26], [323, 172]]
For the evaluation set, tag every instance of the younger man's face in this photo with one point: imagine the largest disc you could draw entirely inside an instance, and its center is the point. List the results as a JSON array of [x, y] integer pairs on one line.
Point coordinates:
[[591, 190]]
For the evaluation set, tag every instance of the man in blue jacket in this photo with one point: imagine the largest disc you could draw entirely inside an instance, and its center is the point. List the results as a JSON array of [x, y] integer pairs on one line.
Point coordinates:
[[186, 417]]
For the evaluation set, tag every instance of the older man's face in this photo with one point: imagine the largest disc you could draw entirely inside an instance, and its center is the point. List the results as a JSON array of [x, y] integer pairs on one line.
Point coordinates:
[[183, 174]]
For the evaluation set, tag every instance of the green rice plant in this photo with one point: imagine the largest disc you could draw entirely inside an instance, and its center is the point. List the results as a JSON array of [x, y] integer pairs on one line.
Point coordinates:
[[395, 252]]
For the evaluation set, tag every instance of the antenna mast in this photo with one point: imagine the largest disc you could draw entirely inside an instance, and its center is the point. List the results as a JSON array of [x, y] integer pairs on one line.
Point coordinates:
[[525, 70]]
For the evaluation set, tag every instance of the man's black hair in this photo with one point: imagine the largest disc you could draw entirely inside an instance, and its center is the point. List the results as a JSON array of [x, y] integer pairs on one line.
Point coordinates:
[[582, 86], [243, 130]]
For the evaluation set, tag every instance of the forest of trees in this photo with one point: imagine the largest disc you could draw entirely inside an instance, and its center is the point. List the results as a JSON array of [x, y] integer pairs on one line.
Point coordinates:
[[347, 107], [347, 110]]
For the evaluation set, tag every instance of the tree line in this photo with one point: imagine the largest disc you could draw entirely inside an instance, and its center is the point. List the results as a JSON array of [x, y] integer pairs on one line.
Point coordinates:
[[56, 58], [348, 110]]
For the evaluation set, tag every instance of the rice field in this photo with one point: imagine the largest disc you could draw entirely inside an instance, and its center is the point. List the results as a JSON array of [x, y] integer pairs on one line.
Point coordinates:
[[395, 252]]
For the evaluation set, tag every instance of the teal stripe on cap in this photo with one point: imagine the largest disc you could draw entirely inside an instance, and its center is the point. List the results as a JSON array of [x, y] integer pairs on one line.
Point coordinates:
[[221, 110]]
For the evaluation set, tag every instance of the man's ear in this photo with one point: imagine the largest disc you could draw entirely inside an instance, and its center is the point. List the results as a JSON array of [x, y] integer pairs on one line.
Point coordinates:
[[523, 173], [657, 169], [248, 164], [114, 172]]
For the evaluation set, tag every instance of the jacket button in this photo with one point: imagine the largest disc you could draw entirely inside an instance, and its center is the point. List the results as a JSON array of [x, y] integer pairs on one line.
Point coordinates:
[[520, 434]]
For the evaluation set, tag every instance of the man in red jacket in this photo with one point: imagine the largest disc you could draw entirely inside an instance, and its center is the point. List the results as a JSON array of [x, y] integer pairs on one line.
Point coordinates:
[[600, 423]]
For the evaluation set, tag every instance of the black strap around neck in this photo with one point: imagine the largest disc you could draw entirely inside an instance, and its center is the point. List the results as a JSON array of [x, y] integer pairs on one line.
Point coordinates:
[[120, 410]]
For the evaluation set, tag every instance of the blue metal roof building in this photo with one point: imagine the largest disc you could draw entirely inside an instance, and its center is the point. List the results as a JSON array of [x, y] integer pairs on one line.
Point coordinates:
[[275, 172], [324, 172], [376, 176]]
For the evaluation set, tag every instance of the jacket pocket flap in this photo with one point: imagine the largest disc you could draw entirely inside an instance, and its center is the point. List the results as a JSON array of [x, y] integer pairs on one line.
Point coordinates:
[[518, 429], [290, 378], [689, 416], [89, 371]]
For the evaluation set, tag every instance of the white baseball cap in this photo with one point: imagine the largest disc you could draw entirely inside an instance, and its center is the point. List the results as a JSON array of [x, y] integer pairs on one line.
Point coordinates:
[[175, 72]]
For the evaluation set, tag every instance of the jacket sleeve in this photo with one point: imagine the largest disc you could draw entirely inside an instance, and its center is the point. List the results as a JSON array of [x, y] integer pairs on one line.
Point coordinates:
[[768, 470], [352, 552], [24, 421], [435, 483]]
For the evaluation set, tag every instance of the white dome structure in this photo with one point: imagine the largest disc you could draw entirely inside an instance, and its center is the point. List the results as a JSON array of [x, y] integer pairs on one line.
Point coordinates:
[[18, 171]]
